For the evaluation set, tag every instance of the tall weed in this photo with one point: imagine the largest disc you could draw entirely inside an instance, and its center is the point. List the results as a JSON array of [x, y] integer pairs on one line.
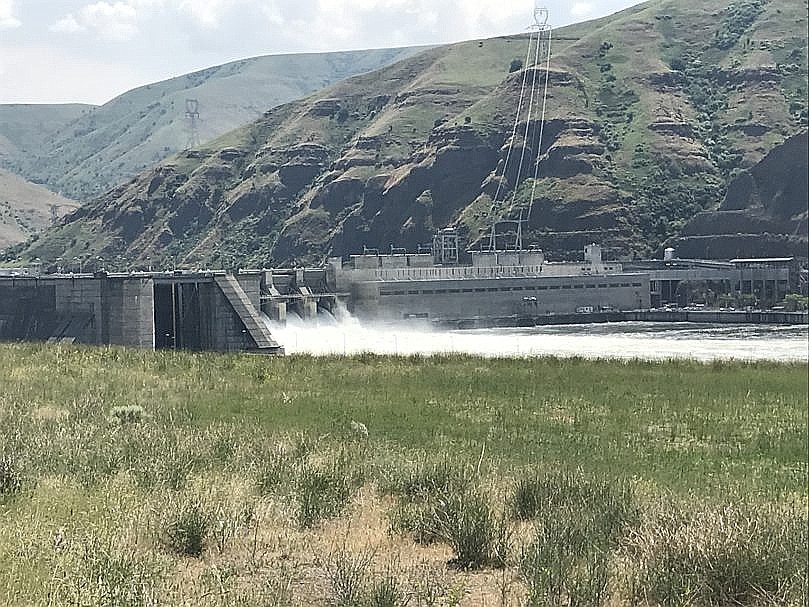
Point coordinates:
[[737, 554]]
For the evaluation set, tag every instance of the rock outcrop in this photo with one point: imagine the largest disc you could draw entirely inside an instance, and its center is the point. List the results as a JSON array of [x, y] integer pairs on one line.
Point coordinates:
[[765, 212]]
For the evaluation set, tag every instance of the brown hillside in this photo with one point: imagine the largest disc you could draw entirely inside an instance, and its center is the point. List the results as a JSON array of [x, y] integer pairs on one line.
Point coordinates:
[[25, 208], [649, 112], [764, 212]]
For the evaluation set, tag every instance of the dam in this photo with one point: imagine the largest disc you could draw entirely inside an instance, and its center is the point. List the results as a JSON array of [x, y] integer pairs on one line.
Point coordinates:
[[157, 310], [226, 312]]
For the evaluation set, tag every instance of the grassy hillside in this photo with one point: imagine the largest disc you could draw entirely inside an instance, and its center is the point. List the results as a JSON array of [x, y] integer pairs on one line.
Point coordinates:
[[134, 478], [24, 128], [26, 209], [109, 144], [650, 112]]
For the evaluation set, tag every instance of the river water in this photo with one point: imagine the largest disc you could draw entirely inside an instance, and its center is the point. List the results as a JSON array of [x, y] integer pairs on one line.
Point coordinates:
[[611, 340]]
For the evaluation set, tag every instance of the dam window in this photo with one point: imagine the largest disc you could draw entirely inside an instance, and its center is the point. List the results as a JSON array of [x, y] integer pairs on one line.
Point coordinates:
[[516, 288], [603, 286], [567, 286], [636, 284], [541, 288], [428, 292], [467, 290], [554, 287], [578, 286], [591, 286], [412, 292], [625, 284], [398, 292], [614, 285], [480, 290], [492, 290], [386, 293], [454, 291]]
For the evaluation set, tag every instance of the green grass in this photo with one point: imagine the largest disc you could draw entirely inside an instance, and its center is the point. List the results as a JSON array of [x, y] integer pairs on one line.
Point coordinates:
[[679, 425], [166, 458]]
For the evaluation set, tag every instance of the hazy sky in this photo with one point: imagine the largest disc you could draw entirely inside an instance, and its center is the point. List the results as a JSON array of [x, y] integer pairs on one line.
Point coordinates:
[[54, 51]]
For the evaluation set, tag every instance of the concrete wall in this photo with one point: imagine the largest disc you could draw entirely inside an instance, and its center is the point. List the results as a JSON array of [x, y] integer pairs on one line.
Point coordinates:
[[127, 312], [120, 310], [251, 284], [228, 333], [453, 299], [75, 296], [24, 304], [86, 309]]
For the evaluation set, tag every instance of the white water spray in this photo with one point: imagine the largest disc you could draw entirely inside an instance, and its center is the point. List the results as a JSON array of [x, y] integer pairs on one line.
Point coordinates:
[[342, 334]]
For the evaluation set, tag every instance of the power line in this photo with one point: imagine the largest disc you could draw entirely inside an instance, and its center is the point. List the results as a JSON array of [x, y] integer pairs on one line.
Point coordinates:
[[540, 36]]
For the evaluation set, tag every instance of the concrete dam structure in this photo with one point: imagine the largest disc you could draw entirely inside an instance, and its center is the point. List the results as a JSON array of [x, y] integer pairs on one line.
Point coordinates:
[[495, 284], [223, 312], [177, 310]]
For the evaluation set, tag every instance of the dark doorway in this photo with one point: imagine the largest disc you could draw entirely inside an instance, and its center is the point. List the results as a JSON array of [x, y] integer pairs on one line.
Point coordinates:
[[178, 317]]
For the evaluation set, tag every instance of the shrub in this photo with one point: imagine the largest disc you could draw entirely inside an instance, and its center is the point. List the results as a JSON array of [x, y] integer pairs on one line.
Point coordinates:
[[678, 64], [188, 529], [347, 574], [515, 66], [565, 561], [438, 501], [10, 479], [427, 479], [129, 414], [112, 577], [579, 520], [465, 522], [722, 555], [274, 469], [387, 591], [606, 505], [323, 492]]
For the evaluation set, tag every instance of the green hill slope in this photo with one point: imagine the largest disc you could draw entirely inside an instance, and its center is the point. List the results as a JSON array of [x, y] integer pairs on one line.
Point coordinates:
[[24, 128], [650, 111], [26, 208], [104, 146]]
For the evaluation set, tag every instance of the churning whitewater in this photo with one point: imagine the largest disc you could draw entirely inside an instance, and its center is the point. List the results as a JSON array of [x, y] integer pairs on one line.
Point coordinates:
[[344, 334]]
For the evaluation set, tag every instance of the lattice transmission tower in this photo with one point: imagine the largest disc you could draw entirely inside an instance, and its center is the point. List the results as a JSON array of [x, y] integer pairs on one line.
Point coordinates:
[[192, 115]]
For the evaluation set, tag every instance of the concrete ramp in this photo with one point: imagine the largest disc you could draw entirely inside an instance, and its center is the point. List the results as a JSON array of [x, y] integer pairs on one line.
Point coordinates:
[[249, 316]]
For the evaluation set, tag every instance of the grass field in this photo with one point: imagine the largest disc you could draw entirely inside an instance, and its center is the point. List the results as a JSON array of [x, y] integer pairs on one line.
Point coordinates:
[[132, 478]]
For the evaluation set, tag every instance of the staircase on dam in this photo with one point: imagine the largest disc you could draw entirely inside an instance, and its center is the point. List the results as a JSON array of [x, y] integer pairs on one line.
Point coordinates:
[[248, 314]]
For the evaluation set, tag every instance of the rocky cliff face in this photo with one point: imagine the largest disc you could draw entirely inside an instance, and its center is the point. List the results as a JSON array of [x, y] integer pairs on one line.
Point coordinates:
[[649, 112], [764, 212]]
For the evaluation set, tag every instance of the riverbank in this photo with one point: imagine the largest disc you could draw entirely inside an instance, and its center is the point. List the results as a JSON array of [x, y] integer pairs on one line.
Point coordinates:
[[733, 317], [230, 480]]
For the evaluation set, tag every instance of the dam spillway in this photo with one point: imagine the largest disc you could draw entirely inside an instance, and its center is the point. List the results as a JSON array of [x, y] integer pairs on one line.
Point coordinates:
[[156, 310]]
